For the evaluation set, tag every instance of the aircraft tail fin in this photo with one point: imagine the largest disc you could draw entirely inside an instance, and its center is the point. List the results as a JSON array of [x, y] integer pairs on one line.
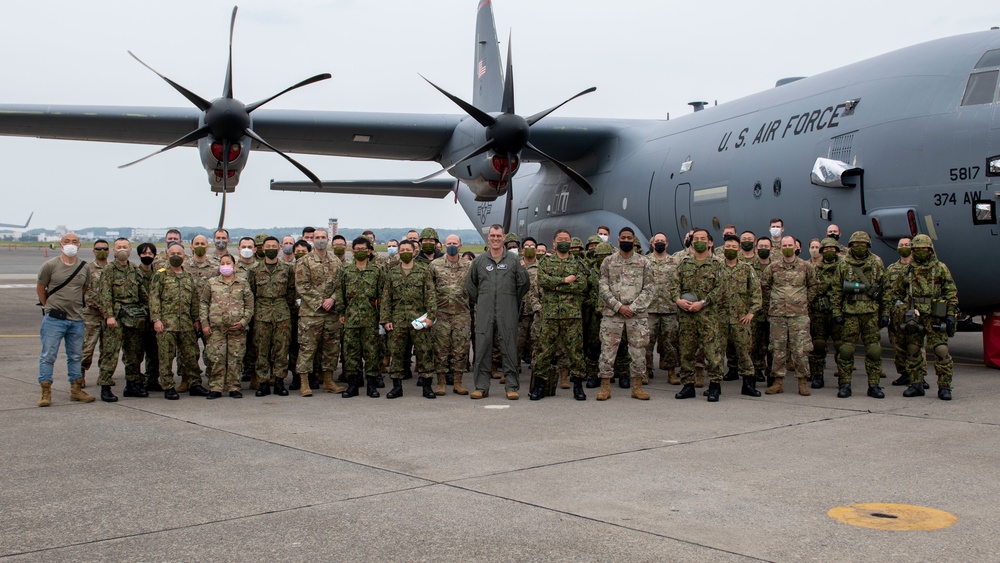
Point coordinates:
[[487, 82]]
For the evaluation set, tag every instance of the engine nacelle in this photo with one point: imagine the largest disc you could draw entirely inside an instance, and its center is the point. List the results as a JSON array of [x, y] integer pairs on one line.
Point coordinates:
[[210, 151], [484, 174]]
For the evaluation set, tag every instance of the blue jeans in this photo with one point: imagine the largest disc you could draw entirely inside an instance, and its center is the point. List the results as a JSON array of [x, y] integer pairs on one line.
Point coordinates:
[[53, 332]]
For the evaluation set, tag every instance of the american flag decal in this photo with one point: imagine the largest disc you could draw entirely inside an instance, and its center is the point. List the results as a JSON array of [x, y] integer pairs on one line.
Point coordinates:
[[480, 69]]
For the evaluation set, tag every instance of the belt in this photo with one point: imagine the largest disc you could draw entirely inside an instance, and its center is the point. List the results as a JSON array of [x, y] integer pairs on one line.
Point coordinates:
[[923, 300]]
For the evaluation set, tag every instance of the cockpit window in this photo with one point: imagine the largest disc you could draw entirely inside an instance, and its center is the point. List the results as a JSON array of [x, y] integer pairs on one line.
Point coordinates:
[[981, 88], [989, 59]]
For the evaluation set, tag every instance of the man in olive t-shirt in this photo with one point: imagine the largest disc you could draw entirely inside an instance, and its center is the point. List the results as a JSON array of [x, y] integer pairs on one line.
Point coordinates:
[[62, 281]]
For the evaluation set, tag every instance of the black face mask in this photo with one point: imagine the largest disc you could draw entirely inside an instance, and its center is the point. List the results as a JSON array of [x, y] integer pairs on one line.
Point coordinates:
[[146, 260], [660, 247], [626, 246], [834, 237]]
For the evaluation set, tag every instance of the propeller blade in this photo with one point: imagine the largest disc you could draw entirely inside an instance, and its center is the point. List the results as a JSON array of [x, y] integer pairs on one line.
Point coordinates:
[[507, 208], [484, 119], [305, 82], [480, 150], [192, 136], [225, 181], [538, 116], [508, 81], [195, 99], [573, 174], [227, 88], [250, 133]]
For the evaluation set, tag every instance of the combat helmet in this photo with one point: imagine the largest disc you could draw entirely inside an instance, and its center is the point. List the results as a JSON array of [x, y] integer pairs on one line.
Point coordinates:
[[511, 237], [860, 236], [829, 242], [594, 239], [258, 239], [575, 242], [922, 241], [604, 249], [429, 232]]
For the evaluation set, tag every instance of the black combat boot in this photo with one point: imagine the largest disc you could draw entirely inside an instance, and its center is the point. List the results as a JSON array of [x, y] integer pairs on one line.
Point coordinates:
[[903, 379], [750, 387], [593, 382], [106, 395], [714, 390], [732, 375], [914, 390], [578, 393], [397, 389], [296, 383], [449, 378], [372, 389], [279, 387], [171, 394], [845, 391], [353, 382], [817, 382], [379, 381], [625, 382], [153, 383], [429, 393], [263, 389], [875, 392], [944, 393], [760, 377], [197, 391], [313, 381], [538, 390], [686, 392]]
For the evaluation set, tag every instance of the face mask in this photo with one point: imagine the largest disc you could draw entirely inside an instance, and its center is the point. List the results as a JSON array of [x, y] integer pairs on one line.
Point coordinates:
[[626, 246], [562, 247], [660, 247], [775, 232], [427, 248], [122, 254], [176, 261], [829, 255], [905, 251], [221, 245], [271, 253], [921, 254], [512, 251], [731, 253], [99, 254], [859, 251], [451, 250], [246, 253], [392, 250], [146, 260], [287, 248], [764, 253], [339, 250], [603, 237], [320, 245], [226, 270], [699, 246], [360, 255], [815, 252], [199, 251], [834, 237], [406, 257], [299, 255], [260, 253], [747, 245], [788, 252], [530, 252]]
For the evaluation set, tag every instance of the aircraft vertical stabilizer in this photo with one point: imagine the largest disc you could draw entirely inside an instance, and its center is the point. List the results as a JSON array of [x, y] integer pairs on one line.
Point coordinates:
[[487, 81]]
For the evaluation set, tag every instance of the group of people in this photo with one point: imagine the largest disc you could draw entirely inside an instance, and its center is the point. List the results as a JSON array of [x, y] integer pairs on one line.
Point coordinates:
[[582, 314]]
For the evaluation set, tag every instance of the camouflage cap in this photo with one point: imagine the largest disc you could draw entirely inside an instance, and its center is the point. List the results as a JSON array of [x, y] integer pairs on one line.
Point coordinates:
[[860, 236], [604, 249], [575, 242], [922, 241], [258, 239], [594, 239], [429, 232], [829, 242], [511, 237]]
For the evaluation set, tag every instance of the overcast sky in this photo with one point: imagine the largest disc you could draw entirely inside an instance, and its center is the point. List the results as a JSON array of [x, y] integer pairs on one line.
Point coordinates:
[[647, 58]]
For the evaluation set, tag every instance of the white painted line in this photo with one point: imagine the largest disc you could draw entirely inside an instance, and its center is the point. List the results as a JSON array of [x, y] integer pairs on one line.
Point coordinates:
[[497, 407], [17, 286]]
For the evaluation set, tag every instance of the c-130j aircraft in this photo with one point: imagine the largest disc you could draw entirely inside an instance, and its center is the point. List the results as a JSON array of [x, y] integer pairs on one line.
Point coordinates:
[[896, 145]]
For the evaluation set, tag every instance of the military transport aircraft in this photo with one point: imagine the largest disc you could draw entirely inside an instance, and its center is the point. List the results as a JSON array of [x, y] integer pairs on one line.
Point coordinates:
[[904, 143]]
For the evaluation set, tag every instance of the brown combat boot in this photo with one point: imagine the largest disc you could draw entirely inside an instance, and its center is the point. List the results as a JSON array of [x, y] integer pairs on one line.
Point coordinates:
[[442, 386], [304, 389], [699, 377], [673, 377], [564, 378], [803, 387], [329, 386], [184, 386], [637, 391], [46, 399], [78, 394], [776, 387], [645, 378], [83, 379], [458, 389], [605, 393], [254, 382]]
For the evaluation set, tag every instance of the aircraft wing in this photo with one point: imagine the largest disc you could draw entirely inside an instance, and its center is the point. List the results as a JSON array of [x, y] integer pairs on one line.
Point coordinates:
[[24, 226], [433, 189]]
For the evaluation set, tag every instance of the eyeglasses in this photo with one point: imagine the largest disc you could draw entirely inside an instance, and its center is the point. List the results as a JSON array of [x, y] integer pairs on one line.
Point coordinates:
[[100, 249]]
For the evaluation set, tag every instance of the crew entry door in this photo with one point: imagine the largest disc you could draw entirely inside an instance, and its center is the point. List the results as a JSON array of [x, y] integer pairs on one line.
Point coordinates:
[[682, 209]]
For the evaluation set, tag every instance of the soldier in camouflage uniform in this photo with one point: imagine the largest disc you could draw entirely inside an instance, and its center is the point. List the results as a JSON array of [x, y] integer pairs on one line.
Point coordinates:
[[821, 325], [453, 325], [743, 302], [173, 311], [149, 351], [317, 283], [929, 288], [531, 304], [225, 310], [563, 281], [592, 314], [361, 288], [202, 265], [122, 300], [626, 289], [897, 312], [408, 295], [662, 311], [273, 287], [859, 307], [761, 331], [696, 289], [246, 263], [160, 260], [92, 318], [790, 284]]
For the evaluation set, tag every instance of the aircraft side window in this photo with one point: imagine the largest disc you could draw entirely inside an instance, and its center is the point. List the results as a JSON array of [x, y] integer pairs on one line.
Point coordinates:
[[989, 59], [981, 88]]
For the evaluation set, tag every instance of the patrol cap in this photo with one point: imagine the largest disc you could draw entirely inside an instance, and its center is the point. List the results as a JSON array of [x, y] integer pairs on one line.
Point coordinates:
[[429, 232], [922, 241], [860, 236], [604, 249], [258, 239], [829, 242]]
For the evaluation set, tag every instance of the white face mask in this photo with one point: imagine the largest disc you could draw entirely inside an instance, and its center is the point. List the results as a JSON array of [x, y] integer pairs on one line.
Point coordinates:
[[70, 250], [512, 251], [246, 253], [775, 232], [392, 250], [603, 237]]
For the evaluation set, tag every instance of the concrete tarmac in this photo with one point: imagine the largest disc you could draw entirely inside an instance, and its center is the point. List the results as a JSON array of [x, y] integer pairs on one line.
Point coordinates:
[[326, 478]]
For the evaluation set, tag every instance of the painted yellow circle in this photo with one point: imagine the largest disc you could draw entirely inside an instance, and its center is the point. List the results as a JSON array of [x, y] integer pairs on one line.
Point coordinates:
[[893, 517]]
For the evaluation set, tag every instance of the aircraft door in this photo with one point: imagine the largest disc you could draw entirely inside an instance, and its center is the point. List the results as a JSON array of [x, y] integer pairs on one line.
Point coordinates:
[[521, 227], [682, 209]]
